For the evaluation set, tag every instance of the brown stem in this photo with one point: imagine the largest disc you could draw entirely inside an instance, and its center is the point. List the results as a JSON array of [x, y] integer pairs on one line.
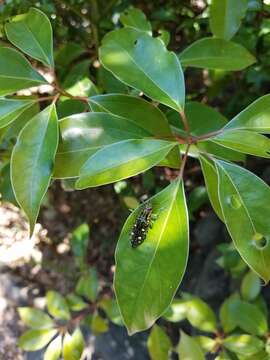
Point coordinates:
[[184, 161], [208, 135], [45, 98]]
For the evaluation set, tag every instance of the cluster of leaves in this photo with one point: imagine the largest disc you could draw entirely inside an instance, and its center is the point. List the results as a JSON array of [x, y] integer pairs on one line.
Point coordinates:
[[85, 307], [124, 135]]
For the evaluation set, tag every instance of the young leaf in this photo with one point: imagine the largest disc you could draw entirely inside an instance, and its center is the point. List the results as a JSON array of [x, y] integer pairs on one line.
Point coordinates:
[[143, 282], [144, 63], [216, 54], [177, 311], [32, 33], [136, 19], [245, 141], [211, 182], [251, 286], [256, 117], [206, 343], [189, 349], [11, 109], [142, 113], [79, 241], [111, 309], [226, 16], [122, 160], [75, 302], [33, 340], [227, 313], [201, 316], [243, 344], [88, 285], [73, 345], [57, 305], [35, 318], [158, 344], [242, 210], [54, 350], [84, 134], [32, 161], [99, 325], [16, 73]]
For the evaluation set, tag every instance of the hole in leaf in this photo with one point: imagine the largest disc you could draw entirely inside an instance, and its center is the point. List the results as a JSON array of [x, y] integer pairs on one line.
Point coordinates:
[[259, 241]]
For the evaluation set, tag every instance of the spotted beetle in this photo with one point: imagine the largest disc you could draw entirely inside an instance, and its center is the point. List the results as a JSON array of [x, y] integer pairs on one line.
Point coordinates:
[[141, 225]]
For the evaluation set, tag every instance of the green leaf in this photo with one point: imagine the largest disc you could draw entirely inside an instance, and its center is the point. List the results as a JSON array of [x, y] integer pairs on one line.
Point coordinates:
[[206, 343], [32, 161], [189, 349], [35, 318], [142, 113], [122, 160], [32, 33], [79, 241], [211, 182], [87, 285], [6, 191], [33, 340], [143, 282], [111, 309], [242, 209], [244, 141], [84, 134], [219, 151], [158, 344], [243, 344], [226, 16], [223, 355], [99, 325], [249, 318], [201, 316], [135, 18], [251, 286], [256, 117], [227, 313], [75, 302], [11, 109], [73, 345], [57, 305], [177, 311], [54, 350], [216, 54], [16, 73], [144, 63]]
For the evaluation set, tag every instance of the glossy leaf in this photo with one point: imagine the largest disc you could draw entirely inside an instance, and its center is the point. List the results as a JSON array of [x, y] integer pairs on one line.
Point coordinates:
[[16, 73], [57, 305], [256, 117], [226, 16], [177, 311], [122, 160], [251, 286], [35, 318], [144, 63], [11, 109], [217, 54], [143, 282], [142, 113], [135, 18], [189, 349], [33, 340], [54, 350], [206, 343], [32, 33], [200, 315], [31, 166], [87, 285], [73, 345], [211, 182], [158, 344], [245, 141], [243, 344], [84, 134], [242, 209]]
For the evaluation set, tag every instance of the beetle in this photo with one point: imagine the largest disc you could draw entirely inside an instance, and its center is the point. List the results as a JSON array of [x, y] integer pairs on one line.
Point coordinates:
[[141, 225]]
